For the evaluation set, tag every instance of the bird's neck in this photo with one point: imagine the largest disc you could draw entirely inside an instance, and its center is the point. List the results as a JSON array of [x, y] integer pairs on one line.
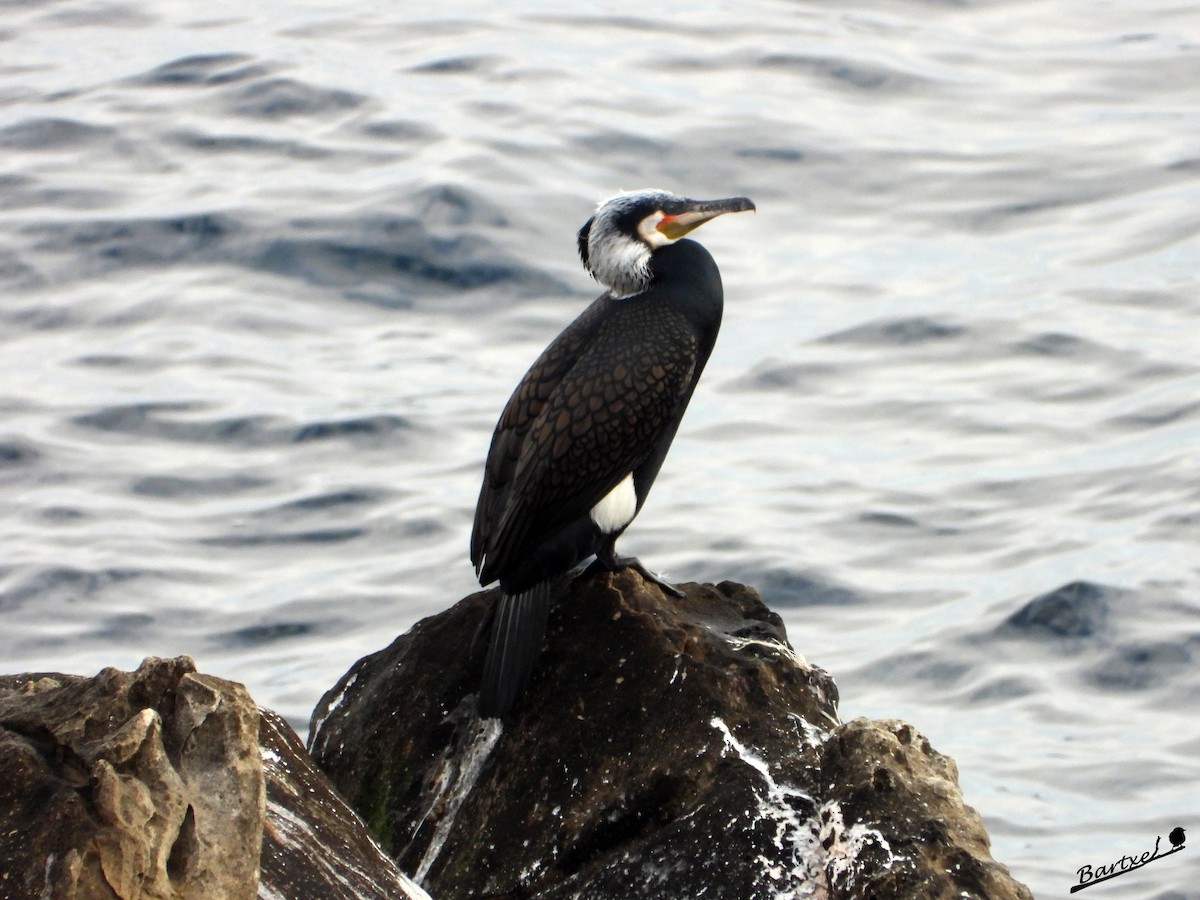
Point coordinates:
[[626, 271]]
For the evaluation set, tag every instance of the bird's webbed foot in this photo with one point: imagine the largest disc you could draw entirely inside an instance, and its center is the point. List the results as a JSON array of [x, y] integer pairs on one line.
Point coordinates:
[[613, 563]]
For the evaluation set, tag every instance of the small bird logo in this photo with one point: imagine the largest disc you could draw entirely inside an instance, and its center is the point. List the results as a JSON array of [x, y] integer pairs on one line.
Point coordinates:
[[1176, 837]]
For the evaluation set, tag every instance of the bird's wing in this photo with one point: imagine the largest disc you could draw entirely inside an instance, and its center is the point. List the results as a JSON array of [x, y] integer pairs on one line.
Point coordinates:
[[604, 417], [522, 409]]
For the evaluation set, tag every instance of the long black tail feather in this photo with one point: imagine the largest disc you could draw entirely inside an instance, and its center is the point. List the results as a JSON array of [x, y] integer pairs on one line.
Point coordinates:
[[518, 629]]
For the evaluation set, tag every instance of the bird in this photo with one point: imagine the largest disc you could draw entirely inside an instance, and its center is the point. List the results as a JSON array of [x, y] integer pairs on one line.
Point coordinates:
[[585, 432], [1176, 837]]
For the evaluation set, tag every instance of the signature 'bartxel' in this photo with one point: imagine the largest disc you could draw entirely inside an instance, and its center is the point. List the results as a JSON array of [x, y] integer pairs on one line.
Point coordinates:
[[1089, 875]]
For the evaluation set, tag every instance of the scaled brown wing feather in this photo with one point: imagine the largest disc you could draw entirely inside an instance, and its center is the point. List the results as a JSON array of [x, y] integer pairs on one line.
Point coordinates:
[[601, 421], [523, 407]]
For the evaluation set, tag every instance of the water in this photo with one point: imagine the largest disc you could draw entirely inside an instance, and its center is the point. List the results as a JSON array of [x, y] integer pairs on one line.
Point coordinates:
[[269, 272]]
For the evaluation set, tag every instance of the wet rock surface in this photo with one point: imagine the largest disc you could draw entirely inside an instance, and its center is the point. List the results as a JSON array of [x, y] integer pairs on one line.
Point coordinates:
[[665, 748], [314, 847]]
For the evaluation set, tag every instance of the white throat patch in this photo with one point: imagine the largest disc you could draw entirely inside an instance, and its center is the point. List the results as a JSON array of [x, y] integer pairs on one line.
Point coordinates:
[[619, 262], [618, 507]]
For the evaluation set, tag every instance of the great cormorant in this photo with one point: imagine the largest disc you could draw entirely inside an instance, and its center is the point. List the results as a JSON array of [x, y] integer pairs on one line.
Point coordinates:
[[584, 434]]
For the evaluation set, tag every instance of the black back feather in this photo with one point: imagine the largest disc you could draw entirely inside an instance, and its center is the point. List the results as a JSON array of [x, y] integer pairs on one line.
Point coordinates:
[[582, 239]]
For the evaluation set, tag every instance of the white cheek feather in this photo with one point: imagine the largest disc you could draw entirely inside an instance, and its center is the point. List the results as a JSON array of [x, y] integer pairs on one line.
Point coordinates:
[[648, 229], [618, 507]]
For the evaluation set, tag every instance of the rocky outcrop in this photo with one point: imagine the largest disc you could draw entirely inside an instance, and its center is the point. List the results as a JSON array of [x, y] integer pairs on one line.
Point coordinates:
[[666, 748], [153, 784], [143, 784]]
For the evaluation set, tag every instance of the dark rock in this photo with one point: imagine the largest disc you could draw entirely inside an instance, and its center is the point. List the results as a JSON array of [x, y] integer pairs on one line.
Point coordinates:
[[1075, 610], [314, 847], [152, 784], [664, 749]]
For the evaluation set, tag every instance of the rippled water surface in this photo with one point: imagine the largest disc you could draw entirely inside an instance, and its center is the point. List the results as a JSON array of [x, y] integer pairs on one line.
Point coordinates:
[[269, 271]]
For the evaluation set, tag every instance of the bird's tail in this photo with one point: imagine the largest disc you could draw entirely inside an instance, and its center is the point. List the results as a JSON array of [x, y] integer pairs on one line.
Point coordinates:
[[518, 629]]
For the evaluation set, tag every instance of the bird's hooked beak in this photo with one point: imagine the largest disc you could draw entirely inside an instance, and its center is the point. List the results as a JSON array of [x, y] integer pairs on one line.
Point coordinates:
[[680, 218]]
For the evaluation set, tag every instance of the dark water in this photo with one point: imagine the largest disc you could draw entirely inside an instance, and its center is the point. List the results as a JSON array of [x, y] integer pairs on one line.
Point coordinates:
[[269, 272]]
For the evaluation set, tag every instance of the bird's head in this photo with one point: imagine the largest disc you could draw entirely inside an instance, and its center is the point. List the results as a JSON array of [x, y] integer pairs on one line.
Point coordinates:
[[616, 243]]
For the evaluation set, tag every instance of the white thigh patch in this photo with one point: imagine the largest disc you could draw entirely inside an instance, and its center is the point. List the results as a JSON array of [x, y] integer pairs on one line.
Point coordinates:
[[618, 507]]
